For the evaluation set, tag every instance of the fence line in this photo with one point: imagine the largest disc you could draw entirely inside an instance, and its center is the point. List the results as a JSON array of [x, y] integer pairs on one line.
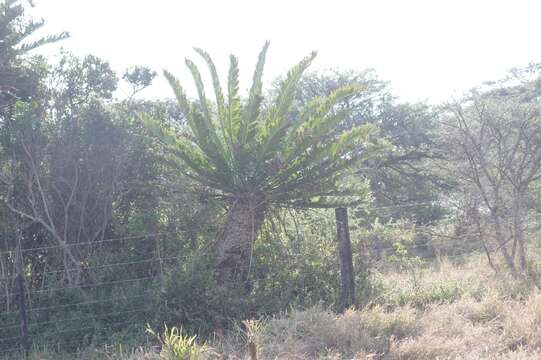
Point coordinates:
[[76, 330], [9, 252], [61, 321], [104, 266], [157, 259], [54, 344], [83, 286], [124, 309], [91, 327], [91, 317], [132, 237], [90, 302], [465, 251]]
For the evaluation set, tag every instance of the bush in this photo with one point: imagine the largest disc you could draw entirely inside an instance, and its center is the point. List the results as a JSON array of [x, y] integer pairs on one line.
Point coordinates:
[[175, 345]]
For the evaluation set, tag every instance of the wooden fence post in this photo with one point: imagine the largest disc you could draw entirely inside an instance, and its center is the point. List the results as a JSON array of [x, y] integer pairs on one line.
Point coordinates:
[[23, 314], [19, 279], [347, 277]]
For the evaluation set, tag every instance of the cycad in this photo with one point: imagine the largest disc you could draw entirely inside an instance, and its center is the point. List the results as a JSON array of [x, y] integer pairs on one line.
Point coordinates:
[[257, 157]]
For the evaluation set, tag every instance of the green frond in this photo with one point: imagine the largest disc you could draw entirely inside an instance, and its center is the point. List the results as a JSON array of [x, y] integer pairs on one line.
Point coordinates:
[[193, 158], [233, 100], [182, 99], [201, 126], [235, 149], [318, 121], [200, 87], [277, 121], [322, 172], [44, 41], [323, 160], [252, 110], [349, 192], [220, 104], [207, 128], [209, 143], [319, 109], [286, 93], [202, 170]]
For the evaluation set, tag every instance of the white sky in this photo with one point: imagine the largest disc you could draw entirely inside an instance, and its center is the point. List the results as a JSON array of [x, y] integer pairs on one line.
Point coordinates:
[[429, 50]]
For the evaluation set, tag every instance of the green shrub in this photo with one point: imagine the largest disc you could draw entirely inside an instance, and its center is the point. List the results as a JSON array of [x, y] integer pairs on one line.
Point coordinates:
[[178, 346]]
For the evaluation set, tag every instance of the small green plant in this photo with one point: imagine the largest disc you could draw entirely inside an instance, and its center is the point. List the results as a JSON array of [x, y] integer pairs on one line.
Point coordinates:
[[407, 262], [176, 345]]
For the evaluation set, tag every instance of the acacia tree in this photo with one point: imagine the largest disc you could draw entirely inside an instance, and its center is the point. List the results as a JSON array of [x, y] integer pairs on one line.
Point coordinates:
[[494, 138], [257, 157]]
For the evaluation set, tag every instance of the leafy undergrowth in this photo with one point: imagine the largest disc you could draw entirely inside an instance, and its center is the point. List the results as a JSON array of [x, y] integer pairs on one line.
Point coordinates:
[[447, 312]]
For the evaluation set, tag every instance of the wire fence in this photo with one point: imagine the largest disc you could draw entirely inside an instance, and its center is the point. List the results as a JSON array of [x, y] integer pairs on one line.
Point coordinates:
[[114, 292]]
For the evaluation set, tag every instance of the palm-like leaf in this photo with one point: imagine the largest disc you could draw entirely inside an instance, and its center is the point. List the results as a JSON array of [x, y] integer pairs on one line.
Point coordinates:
[[236, 148]]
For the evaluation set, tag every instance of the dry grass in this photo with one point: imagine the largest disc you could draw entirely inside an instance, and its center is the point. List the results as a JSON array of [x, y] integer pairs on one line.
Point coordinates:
[[311, 333], [446, 312], [491, 328]]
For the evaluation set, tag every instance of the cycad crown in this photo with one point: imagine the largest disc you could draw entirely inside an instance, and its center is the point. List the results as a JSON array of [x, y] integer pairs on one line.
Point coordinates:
[[236, 147]]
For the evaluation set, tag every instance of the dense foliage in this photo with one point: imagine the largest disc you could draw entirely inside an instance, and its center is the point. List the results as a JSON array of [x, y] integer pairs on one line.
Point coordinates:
[[254, 158], [116, 212]]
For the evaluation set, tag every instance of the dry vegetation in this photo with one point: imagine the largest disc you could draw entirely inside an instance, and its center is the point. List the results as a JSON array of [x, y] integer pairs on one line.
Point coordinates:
[[450, 311]]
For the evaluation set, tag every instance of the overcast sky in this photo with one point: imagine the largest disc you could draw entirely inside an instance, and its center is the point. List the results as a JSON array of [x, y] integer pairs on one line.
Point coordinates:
[[428, 49]]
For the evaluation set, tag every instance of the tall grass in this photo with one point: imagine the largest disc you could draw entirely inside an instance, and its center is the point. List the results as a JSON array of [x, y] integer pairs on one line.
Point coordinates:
[[449, 310]]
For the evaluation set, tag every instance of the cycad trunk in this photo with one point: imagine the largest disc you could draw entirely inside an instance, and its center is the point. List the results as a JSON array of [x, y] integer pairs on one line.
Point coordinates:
[[234, 247]]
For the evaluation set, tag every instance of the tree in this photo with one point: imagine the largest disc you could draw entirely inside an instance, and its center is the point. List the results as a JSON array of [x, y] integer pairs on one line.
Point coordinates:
[[257, 157], [67, 159], [494, 141], [18, 81], [403, 183], [139, 78], [401, 179]]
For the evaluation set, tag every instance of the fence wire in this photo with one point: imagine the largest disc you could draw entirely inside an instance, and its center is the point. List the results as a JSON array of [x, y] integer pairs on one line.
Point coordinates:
[[81, 311]]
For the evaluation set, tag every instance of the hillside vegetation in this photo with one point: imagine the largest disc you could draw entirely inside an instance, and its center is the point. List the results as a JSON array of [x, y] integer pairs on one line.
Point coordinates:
[[319, 217], [451, 311]]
